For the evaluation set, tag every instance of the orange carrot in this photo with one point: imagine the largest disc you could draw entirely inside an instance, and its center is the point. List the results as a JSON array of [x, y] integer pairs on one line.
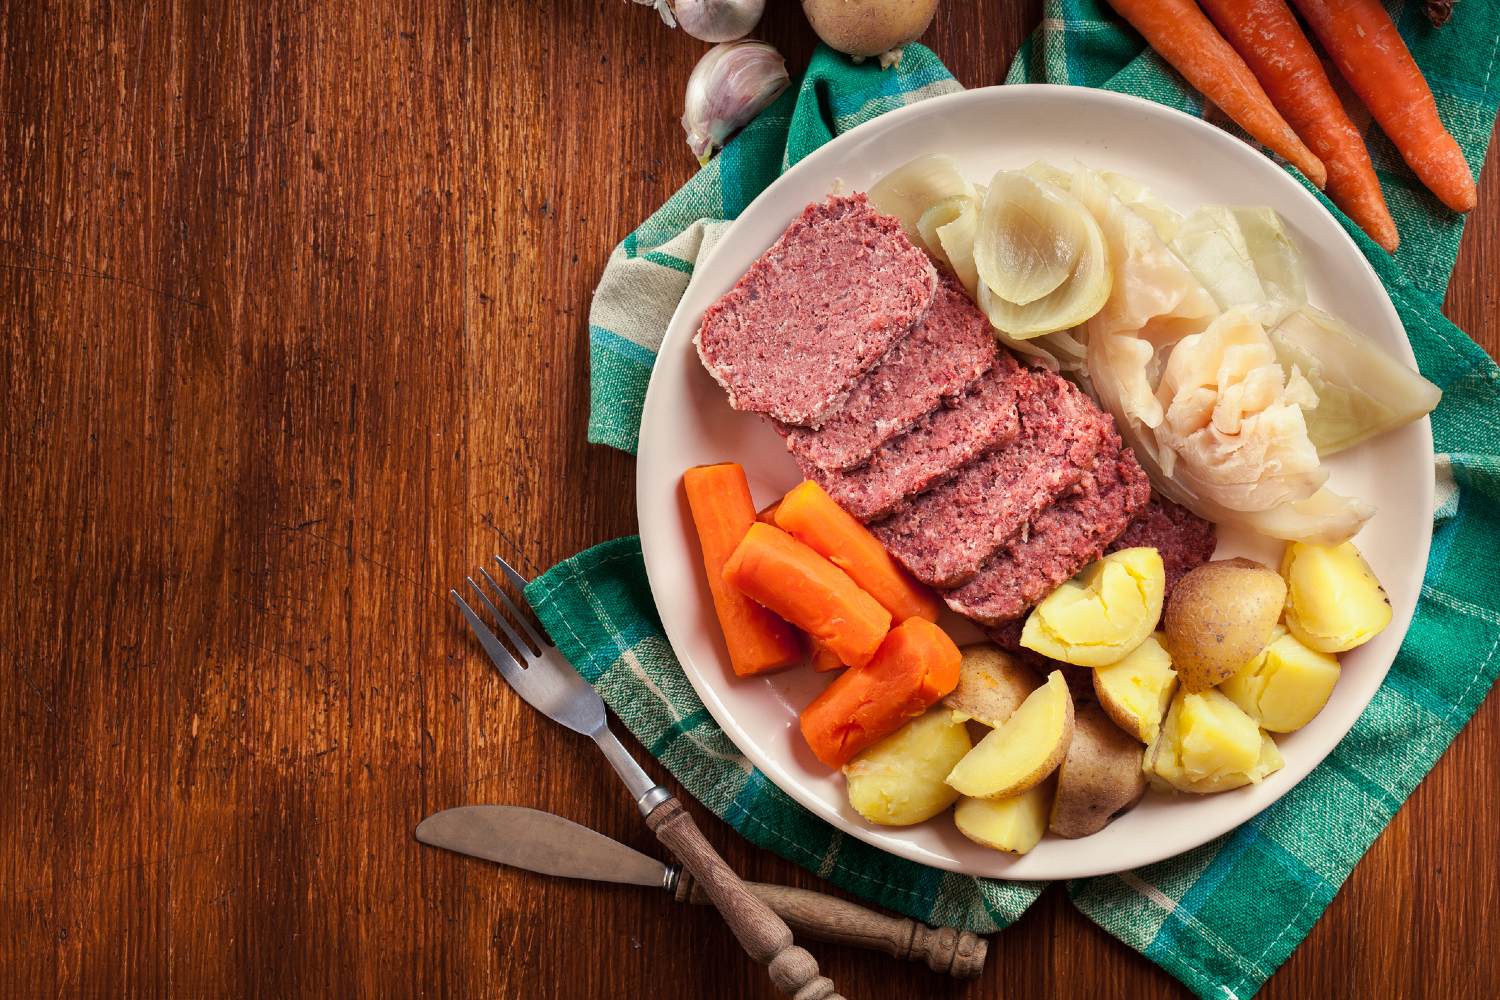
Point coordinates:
[[768, 516], [814, 519], [1266, 34], [809, 591], [1180, 33], [758, 641], [916, 665], [823, 659], [1368, 50]]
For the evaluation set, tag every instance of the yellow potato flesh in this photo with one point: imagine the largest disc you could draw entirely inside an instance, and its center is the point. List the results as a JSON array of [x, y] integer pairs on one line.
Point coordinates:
[[1137, 690], [899, 781], [1333, 600], [1207, 744], [1102, 615], [1284, 687], [1024, 750], [1015, 824]]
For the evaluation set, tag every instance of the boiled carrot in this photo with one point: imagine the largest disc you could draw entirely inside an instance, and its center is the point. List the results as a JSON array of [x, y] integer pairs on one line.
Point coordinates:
[[758, 641], [822, 658], [916, 665], [809, 591], [811, 516], [768, 516], [1180, 33], [1266, 34], [1368, 50]]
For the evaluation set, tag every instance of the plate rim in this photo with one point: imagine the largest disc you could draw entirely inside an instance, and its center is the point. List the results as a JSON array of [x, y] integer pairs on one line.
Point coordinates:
[[832, 150]]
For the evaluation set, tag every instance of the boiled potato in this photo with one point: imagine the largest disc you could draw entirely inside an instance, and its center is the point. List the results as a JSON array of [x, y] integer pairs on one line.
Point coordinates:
[[1101, 615], [1024, 750], [1220, 616], [862, 28], [1285, 686], [1208, 745], [899, 781], [1333, 601], [1014, 824], [1137, 690], [1099, 779], [991, 684]]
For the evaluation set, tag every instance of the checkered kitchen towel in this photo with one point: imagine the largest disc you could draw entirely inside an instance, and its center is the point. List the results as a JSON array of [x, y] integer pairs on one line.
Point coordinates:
[[1222, 917]]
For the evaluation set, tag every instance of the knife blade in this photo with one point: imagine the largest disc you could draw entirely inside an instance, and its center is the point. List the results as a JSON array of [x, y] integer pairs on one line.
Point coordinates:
[[551, 845]]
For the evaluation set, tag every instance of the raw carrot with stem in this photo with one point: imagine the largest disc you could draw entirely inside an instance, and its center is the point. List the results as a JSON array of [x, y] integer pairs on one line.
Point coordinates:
[[1184, 37], [809, 591], [916, 665], [1266, 34], [1368, 50], [811, 516], [758, 641]]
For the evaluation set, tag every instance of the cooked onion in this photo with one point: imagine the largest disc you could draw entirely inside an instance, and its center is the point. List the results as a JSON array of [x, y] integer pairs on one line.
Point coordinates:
[[914, 187]]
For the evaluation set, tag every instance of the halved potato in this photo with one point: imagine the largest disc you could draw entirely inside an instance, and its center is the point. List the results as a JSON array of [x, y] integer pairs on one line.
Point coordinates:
[[1099, 779], [1333, 600], [1208, 745], [991, 684], [1137, 690], [1220, 616], [1014, 824], [899, 781], [1284, 687], [1024, 750], [1101, 615]]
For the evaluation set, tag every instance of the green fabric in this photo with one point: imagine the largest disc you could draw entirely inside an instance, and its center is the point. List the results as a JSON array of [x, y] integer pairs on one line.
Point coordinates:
[[1222, 917]]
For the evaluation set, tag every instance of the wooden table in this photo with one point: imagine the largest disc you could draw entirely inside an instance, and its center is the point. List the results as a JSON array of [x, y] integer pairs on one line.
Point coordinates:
[[294, 302]]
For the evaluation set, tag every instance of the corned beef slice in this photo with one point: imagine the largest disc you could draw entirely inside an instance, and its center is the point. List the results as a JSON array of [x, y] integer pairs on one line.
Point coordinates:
[[948, 533], [1063, 539], [943, 357], [935, 450], [1184, 539], [816, 311]]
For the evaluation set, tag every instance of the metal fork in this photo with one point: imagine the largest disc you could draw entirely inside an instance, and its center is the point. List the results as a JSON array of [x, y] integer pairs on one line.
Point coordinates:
[[551, 685]]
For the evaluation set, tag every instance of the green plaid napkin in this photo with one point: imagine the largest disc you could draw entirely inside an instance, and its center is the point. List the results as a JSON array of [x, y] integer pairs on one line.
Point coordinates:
[[1222, 917]]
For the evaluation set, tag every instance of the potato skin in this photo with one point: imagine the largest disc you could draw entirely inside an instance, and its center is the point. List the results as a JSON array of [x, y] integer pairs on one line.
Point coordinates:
[[1219, 617], [1100, 778], [869, 27], [991, 684]]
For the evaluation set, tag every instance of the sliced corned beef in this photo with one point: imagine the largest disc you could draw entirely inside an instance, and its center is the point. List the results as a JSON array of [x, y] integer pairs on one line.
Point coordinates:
[[816, 312], [1059, 542], [945, 535], [944, 356], [933, 451], [1184, 539]]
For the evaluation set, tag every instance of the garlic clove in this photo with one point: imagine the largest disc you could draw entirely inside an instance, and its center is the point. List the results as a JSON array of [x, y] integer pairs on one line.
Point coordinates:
[[717, 20], [731, 84]]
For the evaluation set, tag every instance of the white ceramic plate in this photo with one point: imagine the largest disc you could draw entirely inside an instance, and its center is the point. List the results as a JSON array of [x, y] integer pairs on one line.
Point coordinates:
[[687, 421]]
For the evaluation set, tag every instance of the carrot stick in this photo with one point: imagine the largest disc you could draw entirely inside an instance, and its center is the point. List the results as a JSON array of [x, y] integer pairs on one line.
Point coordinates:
[[814, 519], [768, 516], [916, 665], [1180, 33], [823, 659], [1267, 35], [758, 641], [809, 591], [1368, 50]]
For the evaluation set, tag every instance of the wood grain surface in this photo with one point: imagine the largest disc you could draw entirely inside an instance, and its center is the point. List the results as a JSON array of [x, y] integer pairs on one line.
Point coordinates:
[[294, 302]]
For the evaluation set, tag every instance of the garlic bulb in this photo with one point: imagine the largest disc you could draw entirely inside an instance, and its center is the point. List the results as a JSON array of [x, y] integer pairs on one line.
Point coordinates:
[[710, 20], [731, 84]]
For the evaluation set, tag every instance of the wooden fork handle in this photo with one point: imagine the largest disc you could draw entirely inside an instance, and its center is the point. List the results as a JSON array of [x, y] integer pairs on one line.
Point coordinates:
[[764, 936], [821, 917]]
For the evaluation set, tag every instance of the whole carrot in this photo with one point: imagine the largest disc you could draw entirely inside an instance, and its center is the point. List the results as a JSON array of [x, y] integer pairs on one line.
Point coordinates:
[[1266, 34], [1368, 50], [1180, 33]]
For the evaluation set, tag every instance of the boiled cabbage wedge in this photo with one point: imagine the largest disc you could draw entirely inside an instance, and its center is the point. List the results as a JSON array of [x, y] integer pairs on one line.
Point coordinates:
[[1244, 257], [914, 187], [1362, 390]]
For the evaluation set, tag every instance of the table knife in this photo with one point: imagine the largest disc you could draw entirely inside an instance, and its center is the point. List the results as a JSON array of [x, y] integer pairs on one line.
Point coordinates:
[[541, 842]]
